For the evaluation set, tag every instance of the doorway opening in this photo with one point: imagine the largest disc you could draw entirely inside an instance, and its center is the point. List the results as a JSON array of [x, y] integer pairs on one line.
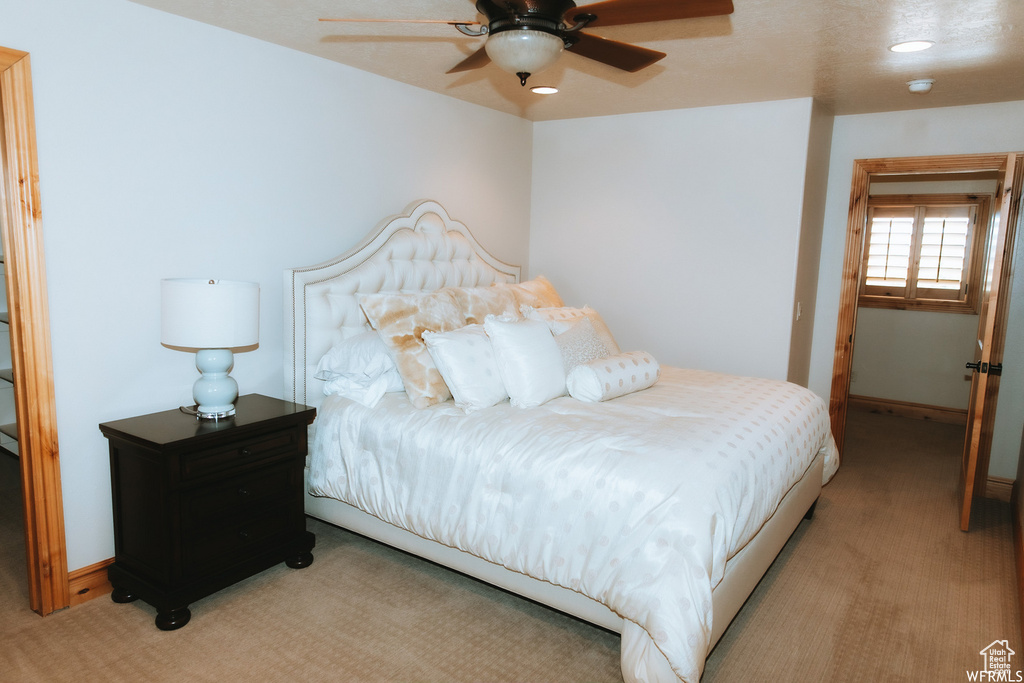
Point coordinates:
[[1007, 169]]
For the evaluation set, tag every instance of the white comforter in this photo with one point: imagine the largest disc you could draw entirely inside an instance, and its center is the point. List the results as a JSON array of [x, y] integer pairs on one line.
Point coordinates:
[[636, 502]]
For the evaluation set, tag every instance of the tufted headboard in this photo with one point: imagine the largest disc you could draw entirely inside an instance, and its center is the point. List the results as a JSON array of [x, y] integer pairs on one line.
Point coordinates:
[[421, 250]]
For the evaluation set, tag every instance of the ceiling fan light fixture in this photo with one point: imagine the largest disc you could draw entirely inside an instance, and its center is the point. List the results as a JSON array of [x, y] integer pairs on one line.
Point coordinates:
[[921, 86], [523, 51], [544, 89]]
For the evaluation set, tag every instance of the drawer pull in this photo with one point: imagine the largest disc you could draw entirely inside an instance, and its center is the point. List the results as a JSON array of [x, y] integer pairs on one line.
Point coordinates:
[[243, 492], [244, 535], [246, 451]]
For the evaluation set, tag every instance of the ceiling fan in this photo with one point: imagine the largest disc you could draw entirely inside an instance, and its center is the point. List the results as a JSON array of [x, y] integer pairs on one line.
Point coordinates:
[[526, 36]]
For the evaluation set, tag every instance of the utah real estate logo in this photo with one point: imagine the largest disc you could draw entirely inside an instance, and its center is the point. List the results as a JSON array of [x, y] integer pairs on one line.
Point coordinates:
[[997, 656]]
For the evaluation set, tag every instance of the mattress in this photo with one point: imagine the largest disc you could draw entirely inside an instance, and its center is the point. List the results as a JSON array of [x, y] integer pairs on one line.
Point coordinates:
[[637, 503]]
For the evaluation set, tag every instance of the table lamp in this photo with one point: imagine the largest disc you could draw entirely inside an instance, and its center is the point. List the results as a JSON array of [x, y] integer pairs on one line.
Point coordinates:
[[211, 317]]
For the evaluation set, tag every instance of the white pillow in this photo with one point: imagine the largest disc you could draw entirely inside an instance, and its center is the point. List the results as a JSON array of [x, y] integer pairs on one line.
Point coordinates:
[[465, 359], [561, 318], [528, 359], [614, 376], [359, 368], [580, 344]]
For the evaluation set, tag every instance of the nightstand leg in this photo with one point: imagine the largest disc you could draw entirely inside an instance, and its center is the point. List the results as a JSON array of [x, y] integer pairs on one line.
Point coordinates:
[[300, 561], [173, 619], [122, 595]]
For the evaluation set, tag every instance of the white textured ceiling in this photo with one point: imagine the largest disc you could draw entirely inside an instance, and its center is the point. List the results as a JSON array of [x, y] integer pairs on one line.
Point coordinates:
[[832, 50]]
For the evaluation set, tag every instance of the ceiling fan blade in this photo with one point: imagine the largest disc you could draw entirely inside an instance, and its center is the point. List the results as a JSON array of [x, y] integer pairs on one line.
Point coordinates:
[[617, 12], [404, 21], [474, 61], [614, 53]]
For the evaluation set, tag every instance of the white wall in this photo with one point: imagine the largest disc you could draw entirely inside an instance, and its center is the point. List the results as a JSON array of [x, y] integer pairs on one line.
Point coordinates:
[[809, 247], [681, 228], [168, 148], [1007, 441], [913, 356], [924, 132]]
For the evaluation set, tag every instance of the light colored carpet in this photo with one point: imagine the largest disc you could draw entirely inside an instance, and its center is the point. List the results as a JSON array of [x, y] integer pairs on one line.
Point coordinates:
[[881, 585]]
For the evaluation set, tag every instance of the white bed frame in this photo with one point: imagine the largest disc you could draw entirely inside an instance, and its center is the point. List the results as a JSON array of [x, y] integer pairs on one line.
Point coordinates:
[[423, 250]]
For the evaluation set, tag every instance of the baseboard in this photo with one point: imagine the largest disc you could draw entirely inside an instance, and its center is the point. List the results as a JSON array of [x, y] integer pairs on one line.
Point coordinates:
[[89, 582], [917, 411], [999, 488]]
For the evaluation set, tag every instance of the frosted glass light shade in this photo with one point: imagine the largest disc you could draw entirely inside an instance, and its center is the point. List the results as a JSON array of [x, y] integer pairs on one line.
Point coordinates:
[[519, 51], [209, 314]]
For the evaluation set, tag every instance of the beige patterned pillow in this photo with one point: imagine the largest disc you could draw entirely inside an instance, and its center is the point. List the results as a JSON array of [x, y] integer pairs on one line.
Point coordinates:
[[538, 293], [580, 344], [401, 320], [561, 319], [614, 376], [476, 303]]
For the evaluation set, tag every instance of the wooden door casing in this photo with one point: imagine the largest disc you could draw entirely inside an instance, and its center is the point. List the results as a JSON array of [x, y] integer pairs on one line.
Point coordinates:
[[30, 338]]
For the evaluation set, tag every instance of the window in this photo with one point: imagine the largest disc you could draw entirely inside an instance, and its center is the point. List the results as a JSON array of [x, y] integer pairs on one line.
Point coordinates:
[[922, 252]]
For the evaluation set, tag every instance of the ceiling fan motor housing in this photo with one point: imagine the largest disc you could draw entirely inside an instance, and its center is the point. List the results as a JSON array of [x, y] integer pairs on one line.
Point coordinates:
[[525, 15]]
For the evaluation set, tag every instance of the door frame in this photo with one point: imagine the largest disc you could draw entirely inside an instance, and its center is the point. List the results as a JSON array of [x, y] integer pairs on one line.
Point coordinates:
[[29, 317], [863, 170]]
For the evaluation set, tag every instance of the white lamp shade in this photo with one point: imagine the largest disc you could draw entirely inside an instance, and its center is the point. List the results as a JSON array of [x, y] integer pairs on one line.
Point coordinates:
[[209, 314], [523, 51]]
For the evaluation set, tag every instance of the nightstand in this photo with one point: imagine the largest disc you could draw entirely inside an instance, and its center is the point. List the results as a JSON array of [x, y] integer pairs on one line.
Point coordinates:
[[200, 505]]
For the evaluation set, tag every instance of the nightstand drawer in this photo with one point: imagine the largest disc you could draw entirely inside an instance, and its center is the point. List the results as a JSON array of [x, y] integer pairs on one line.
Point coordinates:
[[225, 544], [237, 495], [240, 454]]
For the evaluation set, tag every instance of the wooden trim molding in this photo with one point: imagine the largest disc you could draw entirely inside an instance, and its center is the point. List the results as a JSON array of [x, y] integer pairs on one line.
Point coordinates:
[[89, 582], [1017, 514], [30, 338], [917, 411]]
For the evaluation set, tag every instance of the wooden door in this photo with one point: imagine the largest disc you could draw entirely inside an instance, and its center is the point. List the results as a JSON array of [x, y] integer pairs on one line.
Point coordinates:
[[987, 360]]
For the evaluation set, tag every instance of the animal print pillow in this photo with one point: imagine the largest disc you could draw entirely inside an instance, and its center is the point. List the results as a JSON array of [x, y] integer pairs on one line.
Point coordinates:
[[401, 320]]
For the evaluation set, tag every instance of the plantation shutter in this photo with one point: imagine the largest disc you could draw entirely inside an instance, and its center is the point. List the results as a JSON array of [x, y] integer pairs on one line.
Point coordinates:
[[919, 251]]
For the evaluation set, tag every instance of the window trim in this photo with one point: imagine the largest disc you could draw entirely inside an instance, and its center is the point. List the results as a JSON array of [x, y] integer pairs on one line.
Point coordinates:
[[974, 256]]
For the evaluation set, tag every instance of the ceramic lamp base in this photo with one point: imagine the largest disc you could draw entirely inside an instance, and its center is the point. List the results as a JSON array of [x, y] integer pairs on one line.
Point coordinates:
[[215, 391]]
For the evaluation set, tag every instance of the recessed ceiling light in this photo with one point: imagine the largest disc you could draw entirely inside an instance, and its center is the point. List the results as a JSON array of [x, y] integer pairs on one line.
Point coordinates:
[[544, 89], [912, 46]]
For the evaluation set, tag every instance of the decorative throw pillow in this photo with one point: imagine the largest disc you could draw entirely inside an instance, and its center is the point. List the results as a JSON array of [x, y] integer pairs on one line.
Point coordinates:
[[528, 359], [476, 303], [401, 320], [538, 293], [560, 319], [466, 362], [613, 376], [360, 368], [580, 344]]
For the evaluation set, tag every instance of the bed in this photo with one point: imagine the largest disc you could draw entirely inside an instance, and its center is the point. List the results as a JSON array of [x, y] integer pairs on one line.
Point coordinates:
[[653, 514]]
